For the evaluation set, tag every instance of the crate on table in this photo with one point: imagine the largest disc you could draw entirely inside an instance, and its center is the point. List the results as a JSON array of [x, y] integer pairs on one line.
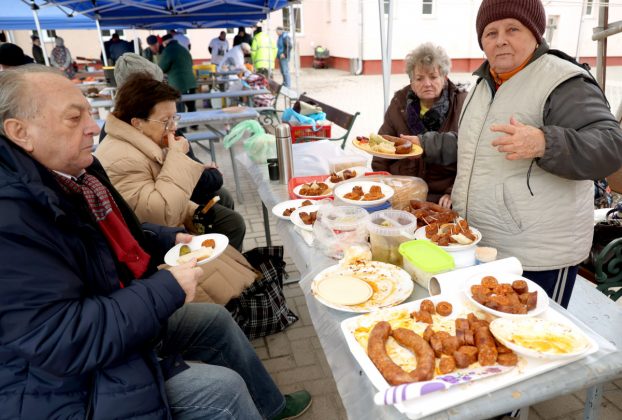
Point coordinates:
[[299, 131]]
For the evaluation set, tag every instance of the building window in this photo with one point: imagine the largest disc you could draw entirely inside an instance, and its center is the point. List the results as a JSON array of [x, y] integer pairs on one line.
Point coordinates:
[[551, 25], [344, 10], [108, 32], [589, 7], [48, 35], [386, 6], [297, 18], [427, 7], [230, 30]]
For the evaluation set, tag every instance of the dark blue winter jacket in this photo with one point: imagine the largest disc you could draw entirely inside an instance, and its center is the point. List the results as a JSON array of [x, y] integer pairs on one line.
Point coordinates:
[[72, 342]]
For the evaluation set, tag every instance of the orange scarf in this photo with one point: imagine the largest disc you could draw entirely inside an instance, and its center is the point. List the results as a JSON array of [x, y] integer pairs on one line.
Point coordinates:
[[500, 78]]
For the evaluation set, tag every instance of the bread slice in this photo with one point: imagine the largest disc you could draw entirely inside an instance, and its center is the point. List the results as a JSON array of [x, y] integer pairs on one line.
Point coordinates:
[[200, 254]]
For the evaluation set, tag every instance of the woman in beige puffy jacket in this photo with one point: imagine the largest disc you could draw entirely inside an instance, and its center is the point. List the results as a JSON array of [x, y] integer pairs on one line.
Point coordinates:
[[148, 165]]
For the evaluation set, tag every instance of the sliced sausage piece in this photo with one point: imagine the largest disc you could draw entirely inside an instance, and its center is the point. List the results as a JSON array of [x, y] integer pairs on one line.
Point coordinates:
[[427, 305], [447, 365], [507, 359]]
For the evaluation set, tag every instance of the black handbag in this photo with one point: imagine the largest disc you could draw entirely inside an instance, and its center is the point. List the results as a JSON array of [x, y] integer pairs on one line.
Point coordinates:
[[261, 309], [606, 231]]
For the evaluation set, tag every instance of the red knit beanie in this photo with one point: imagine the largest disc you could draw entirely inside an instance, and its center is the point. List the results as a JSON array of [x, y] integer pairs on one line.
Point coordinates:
[[529, 12]]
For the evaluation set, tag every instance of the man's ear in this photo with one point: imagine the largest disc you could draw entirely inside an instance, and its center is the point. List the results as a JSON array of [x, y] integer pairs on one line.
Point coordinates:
[[17, 131]]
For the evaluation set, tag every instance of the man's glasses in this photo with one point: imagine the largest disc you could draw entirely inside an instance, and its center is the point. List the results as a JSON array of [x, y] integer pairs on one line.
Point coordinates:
[[169, 124]]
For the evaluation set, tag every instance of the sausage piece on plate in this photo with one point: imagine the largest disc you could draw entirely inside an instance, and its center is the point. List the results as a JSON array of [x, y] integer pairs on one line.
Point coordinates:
[[422, 350], [377, 352], [507, 359], [428, 306], [444, 308], [447, 365]]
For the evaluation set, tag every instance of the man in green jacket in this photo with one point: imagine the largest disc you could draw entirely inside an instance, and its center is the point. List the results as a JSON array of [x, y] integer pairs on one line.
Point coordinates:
[[176, 62], [263, 52]]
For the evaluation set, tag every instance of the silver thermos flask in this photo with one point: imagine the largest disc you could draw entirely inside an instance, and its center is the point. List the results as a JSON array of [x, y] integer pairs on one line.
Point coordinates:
[[284, 153]]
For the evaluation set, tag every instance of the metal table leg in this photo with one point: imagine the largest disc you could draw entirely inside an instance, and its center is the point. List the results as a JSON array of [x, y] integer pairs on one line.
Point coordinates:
[[238, 190], [266, 224], [592, 402]]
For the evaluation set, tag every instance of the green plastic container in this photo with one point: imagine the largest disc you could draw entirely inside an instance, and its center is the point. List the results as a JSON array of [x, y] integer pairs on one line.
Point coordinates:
[[423, 260]]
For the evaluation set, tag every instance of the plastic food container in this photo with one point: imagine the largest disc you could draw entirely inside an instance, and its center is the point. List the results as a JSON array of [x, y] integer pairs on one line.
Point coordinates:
[[423, 260], [339, 227], [388, 229]]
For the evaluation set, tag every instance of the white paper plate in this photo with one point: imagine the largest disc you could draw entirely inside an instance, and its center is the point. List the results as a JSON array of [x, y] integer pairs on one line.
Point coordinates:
[[391, 284], [360, 171], [343, 189], [416, 151], [295, 217], [297, 189], [541, 306], [420, 234], [540, 338], [284, 205], [221, 244]]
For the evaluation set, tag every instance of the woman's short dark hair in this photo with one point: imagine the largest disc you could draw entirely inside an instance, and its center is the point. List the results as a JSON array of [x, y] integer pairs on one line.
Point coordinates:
[[139, 95]]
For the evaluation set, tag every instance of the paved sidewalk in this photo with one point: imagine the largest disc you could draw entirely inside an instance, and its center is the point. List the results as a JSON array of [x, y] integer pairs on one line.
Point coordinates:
[[294, 357]]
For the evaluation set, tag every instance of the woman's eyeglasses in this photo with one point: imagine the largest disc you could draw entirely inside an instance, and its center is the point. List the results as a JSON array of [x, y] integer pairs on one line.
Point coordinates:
[[169, 124]]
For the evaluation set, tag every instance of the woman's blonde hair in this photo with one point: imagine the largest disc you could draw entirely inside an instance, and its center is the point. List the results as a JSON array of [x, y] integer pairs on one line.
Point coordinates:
[[428, 55]]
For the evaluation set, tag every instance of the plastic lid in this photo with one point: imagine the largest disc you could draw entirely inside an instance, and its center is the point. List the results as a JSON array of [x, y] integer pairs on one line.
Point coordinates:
[[383, 206], [427, 256], [344, 218], [391, 223]]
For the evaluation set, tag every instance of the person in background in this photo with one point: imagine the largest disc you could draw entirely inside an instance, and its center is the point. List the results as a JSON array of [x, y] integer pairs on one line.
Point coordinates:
[[535, 131], [149, 165], [37, 51], [118, 47], [61, 58], [263, 52], [234, 59], [218, 47], [284, 49], [176, 62], [82, 342], [153, 50], [183, 40], [426, 112], [12, 55], [241, 37]]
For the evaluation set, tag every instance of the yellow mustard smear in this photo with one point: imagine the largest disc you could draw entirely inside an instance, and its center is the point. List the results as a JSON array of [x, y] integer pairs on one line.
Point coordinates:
[[547, 343]]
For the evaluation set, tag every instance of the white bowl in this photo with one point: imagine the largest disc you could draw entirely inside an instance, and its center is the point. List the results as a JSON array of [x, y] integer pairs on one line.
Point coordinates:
[[420, 234], [541, 306], [345, 188], [540, 338]]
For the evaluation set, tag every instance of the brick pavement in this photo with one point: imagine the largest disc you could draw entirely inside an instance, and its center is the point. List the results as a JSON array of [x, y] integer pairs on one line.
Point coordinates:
[[295, 358]]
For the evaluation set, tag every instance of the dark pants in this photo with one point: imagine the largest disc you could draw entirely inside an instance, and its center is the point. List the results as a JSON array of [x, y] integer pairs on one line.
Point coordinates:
[[230, 381], [558, 284], [191, 106]]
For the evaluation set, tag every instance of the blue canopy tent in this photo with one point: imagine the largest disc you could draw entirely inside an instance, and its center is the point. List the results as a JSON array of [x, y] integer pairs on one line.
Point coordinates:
[[18, 15], [174, 14], [39, 15]]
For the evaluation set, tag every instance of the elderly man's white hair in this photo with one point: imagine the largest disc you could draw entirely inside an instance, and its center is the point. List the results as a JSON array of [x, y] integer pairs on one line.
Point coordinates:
[[245, 47], [428, 55], [130, 63], [17, 99]]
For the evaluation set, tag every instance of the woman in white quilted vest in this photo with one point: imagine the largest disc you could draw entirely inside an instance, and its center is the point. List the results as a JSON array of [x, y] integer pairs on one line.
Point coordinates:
[[534, 132]]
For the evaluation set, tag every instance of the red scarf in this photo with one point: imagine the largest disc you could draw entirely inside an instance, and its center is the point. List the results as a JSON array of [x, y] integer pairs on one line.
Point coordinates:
[[109, 219]]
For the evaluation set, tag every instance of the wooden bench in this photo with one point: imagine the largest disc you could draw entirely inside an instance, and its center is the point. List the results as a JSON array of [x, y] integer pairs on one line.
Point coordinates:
[[334, 115]]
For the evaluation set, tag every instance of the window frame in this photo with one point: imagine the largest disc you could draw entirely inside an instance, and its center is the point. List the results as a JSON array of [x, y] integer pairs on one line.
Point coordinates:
[[301, 20]]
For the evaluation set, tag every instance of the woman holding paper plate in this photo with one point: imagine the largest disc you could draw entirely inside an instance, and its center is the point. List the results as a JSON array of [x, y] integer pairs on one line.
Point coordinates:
[[148, 164], [426, 113]]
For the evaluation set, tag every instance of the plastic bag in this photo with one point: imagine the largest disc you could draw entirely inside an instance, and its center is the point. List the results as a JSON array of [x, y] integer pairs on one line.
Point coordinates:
[[259, 146], [339, 227]]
